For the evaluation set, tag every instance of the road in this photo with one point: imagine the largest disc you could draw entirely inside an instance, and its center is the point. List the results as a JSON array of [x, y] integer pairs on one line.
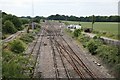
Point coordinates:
[[56, 55]]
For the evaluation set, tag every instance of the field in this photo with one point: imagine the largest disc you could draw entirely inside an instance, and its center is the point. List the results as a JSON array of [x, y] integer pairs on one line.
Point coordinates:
[[111, 27]]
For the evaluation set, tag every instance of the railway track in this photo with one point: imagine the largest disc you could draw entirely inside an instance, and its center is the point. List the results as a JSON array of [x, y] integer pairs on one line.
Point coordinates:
[[54, 58], [53, 46], [61, 53], [74, 62], [73, 59], [79, 60], [38, 51], [59, 49], [35, 51], [65, 67]]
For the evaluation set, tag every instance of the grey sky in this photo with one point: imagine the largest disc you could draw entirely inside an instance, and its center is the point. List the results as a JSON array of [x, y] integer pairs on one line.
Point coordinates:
[[65, 7]]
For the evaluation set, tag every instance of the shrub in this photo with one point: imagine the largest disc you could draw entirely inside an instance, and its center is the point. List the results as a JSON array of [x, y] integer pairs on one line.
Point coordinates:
[[17, 22], [27, 38], [96, 37], [7, 55], [11, 70], [77, 32], [9, 27], [84, 39], [110, 54], [110, 35], [38, 26], [11, 65], [24, 20], [104, 33], [17, 46], [68, 30], [92, 46]]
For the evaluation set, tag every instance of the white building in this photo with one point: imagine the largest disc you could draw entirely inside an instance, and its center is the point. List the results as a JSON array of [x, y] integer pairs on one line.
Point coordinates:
[[73, 27]]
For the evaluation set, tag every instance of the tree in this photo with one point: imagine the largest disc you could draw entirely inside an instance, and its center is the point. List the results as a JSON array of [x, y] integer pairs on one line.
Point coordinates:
[[9, 27], [17, 22], [93, 21], [24, 21], [6, 17], [14, 19], [36, 19]]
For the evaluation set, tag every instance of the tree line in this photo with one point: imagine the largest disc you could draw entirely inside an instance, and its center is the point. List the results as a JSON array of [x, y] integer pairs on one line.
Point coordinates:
[[12, 23], [74, 18], [85, 19]]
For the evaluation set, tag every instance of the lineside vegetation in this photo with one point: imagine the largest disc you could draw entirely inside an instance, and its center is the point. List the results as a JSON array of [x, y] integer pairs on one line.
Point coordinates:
[[109, 54]]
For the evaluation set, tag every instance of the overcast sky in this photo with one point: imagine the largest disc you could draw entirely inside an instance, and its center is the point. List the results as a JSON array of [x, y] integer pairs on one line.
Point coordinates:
[[64, 7]]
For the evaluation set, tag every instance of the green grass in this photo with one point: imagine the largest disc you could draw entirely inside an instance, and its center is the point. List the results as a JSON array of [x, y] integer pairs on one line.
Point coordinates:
[[111, 27], [103, 26]]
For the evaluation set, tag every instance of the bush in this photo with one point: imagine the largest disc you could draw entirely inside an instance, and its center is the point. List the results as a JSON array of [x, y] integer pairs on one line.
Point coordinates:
[[27, 38], [110, 54], [13, 69], [11, 65], [84, 39], [68, 30], [9, 27], [96, 37], [38, 26], [7, 55], [92, 46], [17, 22], [109, 35], [77, 32], [24, 20], [104, 33], [17, 46]]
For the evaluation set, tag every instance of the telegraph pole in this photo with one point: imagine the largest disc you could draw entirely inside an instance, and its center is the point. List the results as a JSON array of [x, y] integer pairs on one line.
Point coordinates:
[[93, 21], [32, 15]]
